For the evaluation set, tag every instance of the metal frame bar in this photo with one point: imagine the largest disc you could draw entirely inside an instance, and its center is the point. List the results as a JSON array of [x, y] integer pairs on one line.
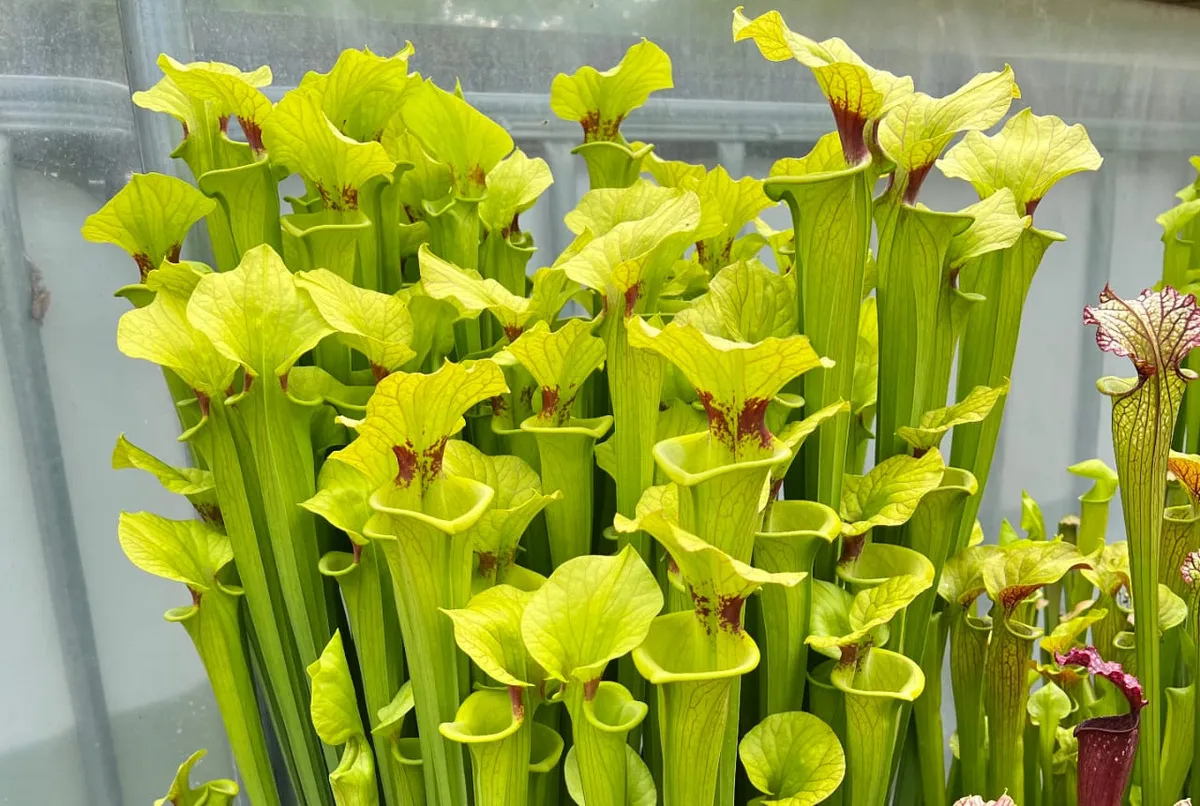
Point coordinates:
[[56, 104]]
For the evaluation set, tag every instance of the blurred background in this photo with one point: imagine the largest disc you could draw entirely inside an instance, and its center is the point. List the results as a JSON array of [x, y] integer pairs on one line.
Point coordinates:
[[100, 699]]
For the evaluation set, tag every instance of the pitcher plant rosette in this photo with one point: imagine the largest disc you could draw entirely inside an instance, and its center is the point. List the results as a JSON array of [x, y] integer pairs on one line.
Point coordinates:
[[685, 514]]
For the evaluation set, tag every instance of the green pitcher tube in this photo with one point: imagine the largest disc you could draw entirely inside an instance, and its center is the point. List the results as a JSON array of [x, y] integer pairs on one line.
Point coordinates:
[[404, 753], [989, 346], [493, 725], [504, 259], [249, 198], [1005, 696], [693, 674], [379, 244], [612, 164], [720, 501], [829, 705], [366, 587], [281, 666], [1178, 740], [214, 627], [326, 240], [1180, 537], [831, 216], [914, 293], [932, 531], [546, 750], [791, 534], [565, 454], [875, 688], [602, 714], [927, 714], [430, 558], [968, 655], [454, 236]]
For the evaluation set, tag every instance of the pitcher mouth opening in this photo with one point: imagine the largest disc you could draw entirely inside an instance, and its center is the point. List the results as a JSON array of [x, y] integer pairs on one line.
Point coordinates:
[[594, 427], [676, 651], [693, 458], [795, 518], [451, 504], [546, 749], [885, 674]]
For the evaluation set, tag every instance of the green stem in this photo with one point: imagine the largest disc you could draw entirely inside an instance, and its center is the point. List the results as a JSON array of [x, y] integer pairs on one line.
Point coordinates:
[[379, 243], [215, 629], [861, 429], [366, 588], [874, 691], [602, 714], [1104, 632], [1004, 697], [1033, 791], [1191, 403], [1052, 612], [792, 533], [565, 454], [392, 230], [634, 387], [283, 671], [1187, 260], [954, 785], [968, 655], [1071, 786], [831, 215]]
